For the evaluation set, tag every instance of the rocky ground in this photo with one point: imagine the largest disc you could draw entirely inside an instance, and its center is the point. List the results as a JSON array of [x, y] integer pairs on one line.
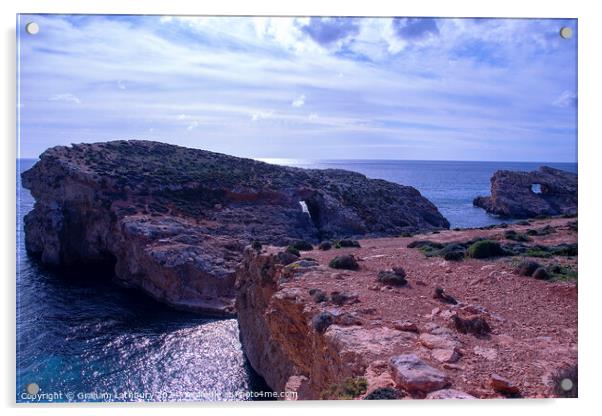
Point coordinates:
[[340, 333]]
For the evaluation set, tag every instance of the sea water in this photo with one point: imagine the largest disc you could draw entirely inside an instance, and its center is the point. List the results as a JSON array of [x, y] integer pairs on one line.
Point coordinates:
[[86, 339]]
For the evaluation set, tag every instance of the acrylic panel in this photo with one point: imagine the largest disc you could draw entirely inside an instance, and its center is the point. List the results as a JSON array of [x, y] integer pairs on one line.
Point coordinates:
[[295, 208]]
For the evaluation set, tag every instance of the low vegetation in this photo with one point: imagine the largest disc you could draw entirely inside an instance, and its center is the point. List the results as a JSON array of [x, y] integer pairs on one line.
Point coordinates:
[[349, 389], [485, 249], [347, 262]]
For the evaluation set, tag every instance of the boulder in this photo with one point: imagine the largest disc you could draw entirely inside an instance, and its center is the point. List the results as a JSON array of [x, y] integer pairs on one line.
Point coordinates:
[[503, 385], [414, 375], [546, 191], [449, 394]]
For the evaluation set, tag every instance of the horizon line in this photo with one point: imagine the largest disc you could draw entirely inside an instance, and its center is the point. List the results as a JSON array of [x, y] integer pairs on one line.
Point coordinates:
[[265, 159]]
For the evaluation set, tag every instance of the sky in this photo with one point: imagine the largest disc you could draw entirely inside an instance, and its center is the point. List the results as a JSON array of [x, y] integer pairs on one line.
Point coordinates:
[[309, 88]]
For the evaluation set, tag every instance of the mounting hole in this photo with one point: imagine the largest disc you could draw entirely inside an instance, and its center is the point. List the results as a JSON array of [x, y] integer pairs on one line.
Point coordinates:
[[33, 388], [566, 384], [566, 32], [32, 28]]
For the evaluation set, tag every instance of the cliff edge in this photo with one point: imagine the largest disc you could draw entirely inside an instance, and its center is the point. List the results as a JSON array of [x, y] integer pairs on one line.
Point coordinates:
[[174, 221]]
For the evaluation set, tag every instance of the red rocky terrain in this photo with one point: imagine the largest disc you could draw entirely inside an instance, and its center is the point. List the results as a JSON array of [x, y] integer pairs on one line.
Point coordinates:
[[340, 333]]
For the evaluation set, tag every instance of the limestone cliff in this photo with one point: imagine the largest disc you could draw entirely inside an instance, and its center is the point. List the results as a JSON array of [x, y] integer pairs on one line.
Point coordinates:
[[174, 221], [546, 191], [309, 328]]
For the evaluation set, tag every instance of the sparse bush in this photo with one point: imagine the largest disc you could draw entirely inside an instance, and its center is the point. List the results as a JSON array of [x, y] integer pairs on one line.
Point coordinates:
[[318, 295], [527, 268], [541, 274], [256, 245], [347, 243], [302, 245], [347, 262], [516, 236], [325, 245], [396, 277], [562, 273], [322, 321], [350, 388], [452, 251], [484, 249], [384, 393], [292, 250]]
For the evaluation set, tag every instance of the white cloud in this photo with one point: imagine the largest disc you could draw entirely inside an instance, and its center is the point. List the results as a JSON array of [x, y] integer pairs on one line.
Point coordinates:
[[565, 99], [69, 98], [222, 73], [193, 125], [261, 115], [299, 102]]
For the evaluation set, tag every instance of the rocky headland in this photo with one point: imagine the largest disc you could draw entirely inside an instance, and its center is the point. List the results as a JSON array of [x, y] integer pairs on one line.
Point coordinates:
[[344, 287], [546, 191], [475, 313], [174, 221]]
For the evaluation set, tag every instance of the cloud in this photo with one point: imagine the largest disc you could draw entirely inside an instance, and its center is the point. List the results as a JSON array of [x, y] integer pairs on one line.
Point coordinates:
[[328, 30], [566, 99], [193, 125], [69, 98], [438, 88], [415, 28], [261, 115], [299, 102]]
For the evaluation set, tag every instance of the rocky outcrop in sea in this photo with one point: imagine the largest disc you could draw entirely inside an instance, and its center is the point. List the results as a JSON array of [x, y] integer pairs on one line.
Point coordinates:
[[546, 191], [173, 221]]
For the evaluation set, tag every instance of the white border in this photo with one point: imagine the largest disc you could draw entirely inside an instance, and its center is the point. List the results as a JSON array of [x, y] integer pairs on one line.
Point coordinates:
[[590, 233]]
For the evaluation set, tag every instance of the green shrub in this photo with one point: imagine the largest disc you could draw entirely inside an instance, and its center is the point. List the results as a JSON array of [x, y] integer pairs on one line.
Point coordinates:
[[344, 262], [325, 245], [484, 249], [516, 236], [293, 250], [527, 268], [541, 274], [350, 388], [347, 243], [559, 272], [384, 393], [302, 245]]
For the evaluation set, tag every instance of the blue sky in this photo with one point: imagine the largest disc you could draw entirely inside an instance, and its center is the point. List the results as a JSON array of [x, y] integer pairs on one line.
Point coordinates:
[[311, 88]]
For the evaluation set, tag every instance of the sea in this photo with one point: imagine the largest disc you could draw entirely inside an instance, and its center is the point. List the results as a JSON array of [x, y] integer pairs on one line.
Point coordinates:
[[81, 338]]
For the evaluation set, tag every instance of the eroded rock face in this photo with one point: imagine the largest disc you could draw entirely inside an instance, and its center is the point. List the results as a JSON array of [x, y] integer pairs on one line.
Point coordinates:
[[280, 337], [174, 220], [546, 191]]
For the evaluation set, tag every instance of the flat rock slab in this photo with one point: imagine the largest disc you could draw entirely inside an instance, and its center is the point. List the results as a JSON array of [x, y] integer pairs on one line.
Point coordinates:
[[450, 394], [414, 375]]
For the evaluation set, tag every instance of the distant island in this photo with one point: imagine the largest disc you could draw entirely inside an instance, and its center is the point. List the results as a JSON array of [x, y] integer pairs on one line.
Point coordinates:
[[344, 287]]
